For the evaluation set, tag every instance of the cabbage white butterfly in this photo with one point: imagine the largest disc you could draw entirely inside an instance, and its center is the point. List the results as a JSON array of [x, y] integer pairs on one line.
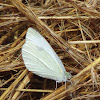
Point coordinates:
[[41, 59]]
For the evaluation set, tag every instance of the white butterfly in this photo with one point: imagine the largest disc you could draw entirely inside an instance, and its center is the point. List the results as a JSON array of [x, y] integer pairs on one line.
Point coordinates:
[[41, 59]]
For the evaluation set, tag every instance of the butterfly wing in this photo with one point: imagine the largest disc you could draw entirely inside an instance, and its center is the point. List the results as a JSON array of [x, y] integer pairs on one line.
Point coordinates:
[[40, 58], [35, 63], [38, 39]]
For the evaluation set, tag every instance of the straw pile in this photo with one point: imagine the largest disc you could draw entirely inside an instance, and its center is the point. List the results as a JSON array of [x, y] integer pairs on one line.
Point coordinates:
[[72, 29]]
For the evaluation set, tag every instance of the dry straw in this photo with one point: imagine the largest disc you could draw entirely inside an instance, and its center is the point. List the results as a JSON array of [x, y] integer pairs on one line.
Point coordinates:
[[72, 29]]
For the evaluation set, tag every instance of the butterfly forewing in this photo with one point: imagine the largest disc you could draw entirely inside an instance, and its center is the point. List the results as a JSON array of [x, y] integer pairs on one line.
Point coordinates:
[[39, 40]]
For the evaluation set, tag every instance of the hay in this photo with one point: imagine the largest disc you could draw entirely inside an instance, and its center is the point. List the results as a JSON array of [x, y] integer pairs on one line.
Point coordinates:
[[72, 29]]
